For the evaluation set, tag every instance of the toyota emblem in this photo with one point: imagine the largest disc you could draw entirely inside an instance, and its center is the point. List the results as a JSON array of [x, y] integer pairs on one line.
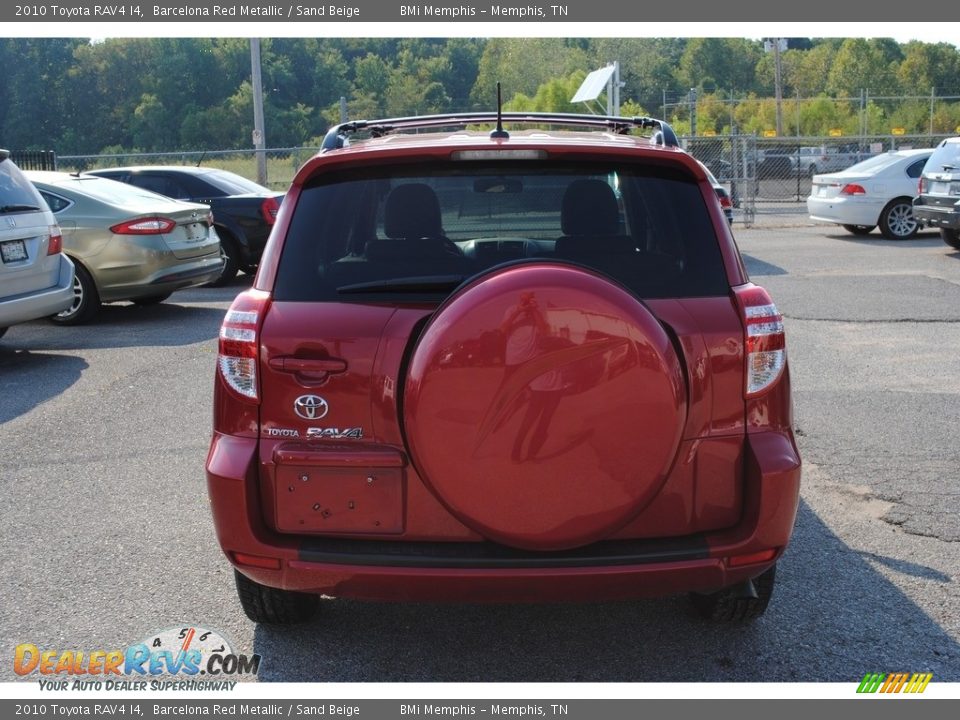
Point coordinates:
[[310, 407]]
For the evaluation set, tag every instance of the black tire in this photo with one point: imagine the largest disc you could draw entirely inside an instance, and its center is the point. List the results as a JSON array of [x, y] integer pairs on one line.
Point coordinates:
[[859, 229], [229, 252], [950, 237], [269, 605], [151, 299], [86, 300], [897, 221], [729, 605]]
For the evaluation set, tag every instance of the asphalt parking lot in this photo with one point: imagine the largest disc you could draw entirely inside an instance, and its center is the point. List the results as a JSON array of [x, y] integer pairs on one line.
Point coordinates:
[[107, 535]]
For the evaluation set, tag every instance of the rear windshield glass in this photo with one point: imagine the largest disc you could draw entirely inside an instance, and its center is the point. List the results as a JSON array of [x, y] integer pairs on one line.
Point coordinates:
[[231, 184], [414, 232], [17, 194], [116, 193], [876, 163], [945, 158]]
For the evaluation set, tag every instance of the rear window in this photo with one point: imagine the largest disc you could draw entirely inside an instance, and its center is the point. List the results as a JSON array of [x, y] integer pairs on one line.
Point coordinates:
[[230, 184], [116, 193], [17, 194], [410, 233], [945, 158]]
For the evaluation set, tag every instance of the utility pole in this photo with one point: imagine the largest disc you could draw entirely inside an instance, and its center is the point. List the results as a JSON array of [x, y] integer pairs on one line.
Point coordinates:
[[778, 84], [693, 111], [259, 141]]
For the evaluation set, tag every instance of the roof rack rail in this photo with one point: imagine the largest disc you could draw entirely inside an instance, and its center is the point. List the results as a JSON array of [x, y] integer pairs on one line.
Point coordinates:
[[337, 136]]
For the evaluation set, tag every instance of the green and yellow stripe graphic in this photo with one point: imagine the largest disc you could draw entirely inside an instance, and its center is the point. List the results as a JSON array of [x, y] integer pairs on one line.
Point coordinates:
[[894, 682]]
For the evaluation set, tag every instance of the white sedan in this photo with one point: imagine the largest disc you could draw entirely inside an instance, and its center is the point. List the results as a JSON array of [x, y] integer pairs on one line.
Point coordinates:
[[877, 191]]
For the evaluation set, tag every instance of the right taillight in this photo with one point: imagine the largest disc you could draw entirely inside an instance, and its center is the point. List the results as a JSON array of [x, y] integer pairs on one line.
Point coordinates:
[[764, 340], [55, 245], [921, 185], [725, 201], [239, 342]]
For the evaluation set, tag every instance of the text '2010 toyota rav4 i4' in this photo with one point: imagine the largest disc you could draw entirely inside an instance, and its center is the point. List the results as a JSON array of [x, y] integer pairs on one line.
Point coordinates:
[[492, 366]]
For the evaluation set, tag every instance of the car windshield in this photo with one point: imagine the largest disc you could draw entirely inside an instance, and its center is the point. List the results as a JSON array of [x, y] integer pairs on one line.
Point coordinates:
[[944, 158], [876, 163], [419, 231], [233, 184]]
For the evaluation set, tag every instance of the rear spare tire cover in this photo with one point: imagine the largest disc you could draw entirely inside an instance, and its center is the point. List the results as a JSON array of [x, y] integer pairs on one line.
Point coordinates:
[[544, 406]]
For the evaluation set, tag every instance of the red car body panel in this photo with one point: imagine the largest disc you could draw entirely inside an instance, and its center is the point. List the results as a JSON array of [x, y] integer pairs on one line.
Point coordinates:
[[382, 515]]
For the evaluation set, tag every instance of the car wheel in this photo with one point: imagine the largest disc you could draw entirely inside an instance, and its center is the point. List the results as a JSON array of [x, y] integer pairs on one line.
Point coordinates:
[[859, 229], [229, 255], [950, 237], [86, 300], [897, 221], [264, 604], [733, 604], [151, 299]]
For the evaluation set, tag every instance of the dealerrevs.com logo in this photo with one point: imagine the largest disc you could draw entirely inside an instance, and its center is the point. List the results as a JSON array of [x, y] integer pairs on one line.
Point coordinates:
[[178, 658]]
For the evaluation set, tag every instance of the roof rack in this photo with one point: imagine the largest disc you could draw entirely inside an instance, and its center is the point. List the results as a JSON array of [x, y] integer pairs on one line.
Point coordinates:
[[337, 136]]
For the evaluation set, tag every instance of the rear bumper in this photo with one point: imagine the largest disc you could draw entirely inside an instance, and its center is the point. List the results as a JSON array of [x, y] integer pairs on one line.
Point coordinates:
[[936, 215], [475, 572], [177, 276], [844, 210], [43, 303]]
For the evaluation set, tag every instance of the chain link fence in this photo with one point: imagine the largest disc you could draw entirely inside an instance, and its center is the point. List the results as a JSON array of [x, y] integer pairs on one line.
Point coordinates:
[[773, 175]]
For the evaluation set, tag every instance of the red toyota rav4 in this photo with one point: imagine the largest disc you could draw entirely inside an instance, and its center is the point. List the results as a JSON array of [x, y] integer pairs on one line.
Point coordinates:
[[502, 366]]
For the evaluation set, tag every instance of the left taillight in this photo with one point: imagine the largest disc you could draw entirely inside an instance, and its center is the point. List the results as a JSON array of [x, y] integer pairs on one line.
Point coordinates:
[[269, 209], [239, 343], [144, 226], [55, 245], [725, 201], [764, 338], [853, 189]]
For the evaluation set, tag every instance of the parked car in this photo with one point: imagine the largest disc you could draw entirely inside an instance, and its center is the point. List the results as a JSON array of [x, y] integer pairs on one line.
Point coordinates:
[[36, 278], [810, 161], [494, 366], [127, 243], [243, 211], [877, 191], [938, 201], [722, 195]]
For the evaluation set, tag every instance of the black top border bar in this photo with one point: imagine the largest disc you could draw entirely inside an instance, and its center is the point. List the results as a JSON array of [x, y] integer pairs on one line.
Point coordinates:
[[444, 11]]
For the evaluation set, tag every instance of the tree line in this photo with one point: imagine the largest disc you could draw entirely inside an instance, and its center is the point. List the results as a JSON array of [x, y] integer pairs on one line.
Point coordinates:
[[169, 94]]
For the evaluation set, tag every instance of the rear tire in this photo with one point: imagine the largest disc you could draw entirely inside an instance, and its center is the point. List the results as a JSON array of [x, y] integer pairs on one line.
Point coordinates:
[[151, 300], [728, 605], [271, 606], [951, 237], [859, 229], [897, 221], [86, 300], [229, 253]]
